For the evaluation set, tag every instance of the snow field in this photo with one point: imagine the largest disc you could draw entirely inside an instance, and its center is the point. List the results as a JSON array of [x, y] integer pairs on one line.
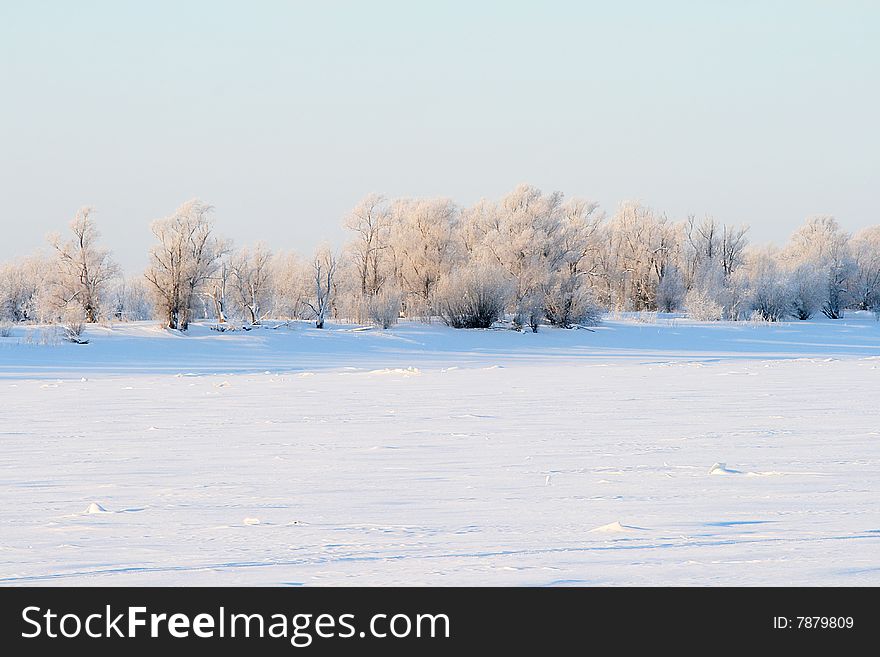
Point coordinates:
[[453, 467]]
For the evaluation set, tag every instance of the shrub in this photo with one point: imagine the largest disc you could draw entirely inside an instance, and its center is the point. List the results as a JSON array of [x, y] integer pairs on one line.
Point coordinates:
[[805, 292], [670, 291], [702, 307], [73, 326], [383, 309], [569, 302], [770, 292], [472, 298]]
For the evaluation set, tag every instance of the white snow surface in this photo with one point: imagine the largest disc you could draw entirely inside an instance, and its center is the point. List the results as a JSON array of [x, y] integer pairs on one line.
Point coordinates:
[[426, 455]]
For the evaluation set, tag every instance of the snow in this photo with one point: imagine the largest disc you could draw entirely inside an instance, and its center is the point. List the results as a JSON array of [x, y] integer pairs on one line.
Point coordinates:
[[426, 455], [615, 528], [722, 469], [94, 507]]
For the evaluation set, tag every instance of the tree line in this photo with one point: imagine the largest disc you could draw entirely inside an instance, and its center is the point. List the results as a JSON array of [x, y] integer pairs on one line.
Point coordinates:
[[528, 259]]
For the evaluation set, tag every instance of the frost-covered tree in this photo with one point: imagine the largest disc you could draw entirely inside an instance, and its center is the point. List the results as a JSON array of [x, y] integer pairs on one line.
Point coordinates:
[[324, 265], [703, 306], [423, 244], [183, 261], [370, 221], [700, 244], [736, 297], [474, 225], [519, 241], [82, 269], [570, 264], [129, 300], [368, 259], [822, 245], [710, 255], [251, 281], [805, 289], [291, 286], [671, 290], [510, 236], [708, 240], [215, 292], [21, 284], [546, 249], [549, 260], [569, 301], [638, 251], [865, 280], [734, 240], [705, 299], [770, 296]]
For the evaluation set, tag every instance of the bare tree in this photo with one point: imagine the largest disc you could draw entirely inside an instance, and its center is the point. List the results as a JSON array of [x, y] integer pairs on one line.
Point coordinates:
[[252, 281], [324, 266], [706, 240], [82, 268], [734, 240], [183, 261], [701, 243], [291, 286], [370, 222], [215, 291]]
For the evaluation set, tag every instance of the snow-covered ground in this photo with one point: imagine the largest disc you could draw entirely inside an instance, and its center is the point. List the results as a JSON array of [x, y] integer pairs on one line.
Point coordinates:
[[639, 453]]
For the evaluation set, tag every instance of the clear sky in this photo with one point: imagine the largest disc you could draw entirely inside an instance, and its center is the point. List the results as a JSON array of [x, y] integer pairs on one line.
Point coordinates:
[[284, 114]]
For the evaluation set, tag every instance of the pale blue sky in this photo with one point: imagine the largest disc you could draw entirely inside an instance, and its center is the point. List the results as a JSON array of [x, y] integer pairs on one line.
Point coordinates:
[[284, 114]]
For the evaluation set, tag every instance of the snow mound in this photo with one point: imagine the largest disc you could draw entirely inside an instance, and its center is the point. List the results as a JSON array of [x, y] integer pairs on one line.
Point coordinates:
[[722, 469], [94, 507], [615, 528], [408, 371]]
